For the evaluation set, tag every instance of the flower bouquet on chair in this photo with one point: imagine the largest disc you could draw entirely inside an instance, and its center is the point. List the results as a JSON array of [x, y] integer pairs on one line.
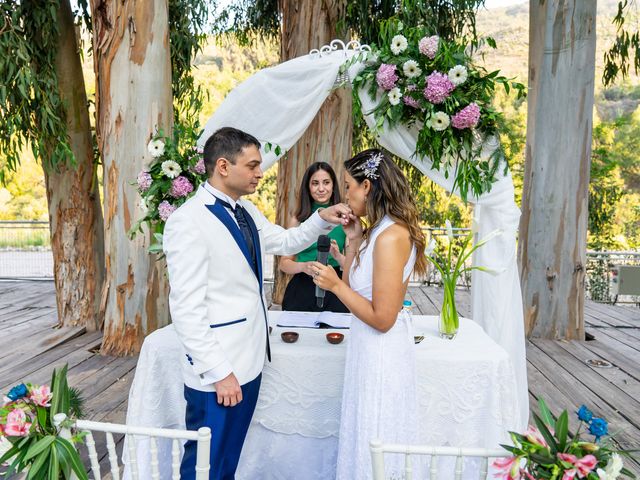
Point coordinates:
[[550, 451], [30, 438], [451, 266]]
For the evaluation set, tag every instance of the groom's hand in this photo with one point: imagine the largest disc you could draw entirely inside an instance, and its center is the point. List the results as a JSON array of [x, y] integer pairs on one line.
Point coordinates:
[[228, 391], [336, 214]]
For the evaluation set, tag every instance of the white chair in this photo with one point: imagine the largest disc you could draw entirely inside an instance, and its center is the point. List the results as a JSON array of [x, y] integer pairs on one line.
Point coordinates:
[[202, 437], [378, 449]]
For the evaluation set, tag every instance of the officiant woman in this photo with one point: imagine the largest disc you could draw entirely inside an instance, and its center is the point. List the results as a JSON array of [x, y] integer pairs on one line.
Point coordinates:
[[319, 189]]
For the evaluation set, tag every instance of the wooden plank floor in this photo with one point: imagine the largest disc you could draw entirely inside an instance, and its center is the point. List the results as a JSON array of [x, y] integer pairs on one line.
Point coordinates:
[[32, 346]]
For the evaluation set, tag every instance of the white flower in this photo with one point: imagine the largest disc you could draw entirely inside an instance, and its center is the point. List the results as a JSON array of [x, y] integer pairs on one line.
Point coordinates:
[[156, 148], [458, 75], [431, 247], [394, 96], [411, 69], [612, 470], [398, 44], [439, 121], [449, 229], [143, 206], [171, 169]]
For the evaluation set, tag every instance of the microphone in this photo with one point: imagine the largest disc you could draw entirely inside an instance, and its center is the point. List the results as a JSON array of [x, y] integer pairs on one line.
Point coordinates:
[[323, 257]]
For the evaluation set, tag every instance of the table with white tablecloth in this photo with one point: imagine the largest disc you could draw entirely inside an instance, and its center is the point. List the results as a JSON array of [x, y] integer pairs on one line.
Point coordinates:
[[466, 388]]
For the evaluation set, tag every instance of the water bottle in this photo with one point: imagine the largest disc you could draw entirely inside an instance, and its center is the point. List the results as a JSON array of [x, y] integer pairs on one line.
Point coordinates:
[[406, 309]]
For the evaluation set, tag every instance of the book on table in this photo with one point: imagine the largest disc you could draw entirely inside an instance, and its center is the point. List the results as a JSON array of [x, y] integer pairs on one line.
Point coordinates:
[[314, 320]]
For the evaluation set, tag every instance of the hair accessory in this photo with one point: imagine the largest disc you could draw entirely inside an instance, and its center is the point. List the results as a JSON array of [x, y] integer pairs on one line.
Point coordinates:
[[370, 166]]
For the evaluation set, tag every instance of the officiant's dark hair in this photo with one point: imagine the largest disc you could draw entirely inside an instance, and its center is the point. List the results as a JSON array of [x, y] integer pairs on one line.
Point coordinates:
[[391, 195], [226, 142], [305, 201]]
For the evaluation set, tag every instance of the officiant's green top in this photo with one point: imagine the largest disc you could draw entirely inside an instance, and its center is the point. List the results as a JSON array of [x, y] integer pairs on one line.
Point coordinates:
[[310, 254]]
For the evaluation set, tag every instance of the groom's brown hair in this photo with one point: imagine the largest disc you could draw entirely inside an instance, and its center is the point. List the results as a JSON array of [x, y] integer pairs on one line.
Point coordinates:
[[227, 142]]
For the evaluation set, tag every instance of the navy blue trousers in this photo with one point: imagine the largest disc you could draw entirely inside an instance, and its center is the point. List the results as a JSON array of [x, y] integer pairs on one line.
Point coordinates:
[[229, 426]]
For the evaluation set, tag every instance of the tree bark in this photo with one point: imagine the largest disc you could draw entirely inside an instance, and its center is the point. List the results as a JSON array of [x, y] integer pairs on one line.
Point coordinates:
[[309, 24], [75, 213], [133, 101], [553, 226]]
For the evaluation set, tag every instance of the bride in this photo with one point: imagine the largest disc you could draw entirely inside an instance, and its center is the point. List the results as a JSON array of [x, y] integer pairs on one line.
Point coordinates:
[[379, 399]]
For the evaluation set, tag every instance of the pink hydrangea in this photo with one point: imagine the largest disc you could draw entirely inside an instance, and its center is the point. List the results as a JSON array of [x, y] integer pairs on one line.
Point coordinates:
[[386, 76], [41, 396], [180, 187], [429, 46], [144, 181], [199, 167], [438, 88], [467, 117], [17, 425], [165, 209]]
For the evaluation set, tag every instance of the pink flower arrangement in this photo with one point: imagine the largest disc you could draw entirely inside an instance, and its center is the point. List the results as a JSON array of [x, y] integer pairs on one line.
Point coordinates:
[[468, 117], [428, 46], [507, 468], [583, 466], [534, 436], [165, 209], [41, 396], [17, 425], [144, 181], [180, 187], [438, 88], [386, 76], [410, 101], [199, 167]]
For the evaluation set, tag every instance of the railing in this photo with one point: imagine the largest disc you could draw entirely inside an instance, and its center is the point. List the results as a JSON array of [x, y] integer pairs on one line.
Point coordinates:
[[25, 252], [601, 268], [25, 249]]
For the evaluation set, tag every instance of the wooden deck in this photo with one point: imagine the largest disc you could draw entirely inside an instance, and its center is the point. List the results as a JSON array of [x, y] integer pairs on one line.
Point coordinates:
[[32, 346]]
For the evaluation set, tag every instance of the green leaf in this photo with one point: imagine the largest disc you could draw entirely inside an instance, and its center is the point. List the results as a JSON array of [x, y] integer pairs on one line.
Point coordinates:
[[545, 413], [42, 417], [562, 430], [74, 458], [39, 446], [544, 430], [38, 464], [54, 465]]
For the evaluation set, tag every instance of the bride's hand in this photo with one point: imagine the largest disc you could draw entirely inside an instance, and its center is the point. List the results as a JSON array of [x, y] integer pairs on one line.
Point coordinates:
[[352, 227], [324, 276]]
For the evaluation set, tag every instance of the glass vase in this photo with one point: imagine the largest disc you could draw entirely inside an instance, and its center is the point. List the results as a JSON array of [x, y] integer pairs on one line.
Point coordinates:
[[449, 320]]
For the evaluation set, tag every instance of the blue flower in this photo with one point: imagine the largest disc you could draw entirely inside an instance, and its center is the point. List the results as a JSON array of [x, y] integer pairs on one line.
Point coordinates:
[[18, 392], [598, 427], [585, 414]]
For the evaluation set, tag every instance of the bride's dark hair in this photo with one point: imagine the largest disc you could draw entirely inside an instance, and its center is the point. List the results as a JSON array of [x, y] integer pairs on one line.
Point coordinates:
[[390, 194]]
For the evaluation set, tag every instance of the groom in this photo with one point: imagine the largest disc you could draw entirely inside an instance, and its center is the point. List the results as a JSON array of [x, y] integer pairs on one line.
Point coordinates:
[[215, 245]]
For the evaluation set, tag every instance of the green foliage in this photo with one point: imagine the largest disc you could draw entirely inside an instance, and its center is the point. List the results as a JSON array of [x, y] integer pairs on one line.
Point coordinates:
[[625, 50], [31, 111]]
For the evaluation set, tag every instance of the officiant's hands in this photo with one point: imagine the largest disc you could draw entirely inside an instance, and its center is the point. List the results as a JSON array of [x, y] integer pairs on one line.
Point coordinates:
[[228, 391], [324, 276], [337, 214]]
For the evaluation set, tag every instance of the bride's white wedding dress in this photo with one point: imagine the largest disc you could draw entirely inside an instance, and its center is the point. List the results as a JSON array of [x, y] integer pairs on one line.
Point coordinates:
[[379, 399]]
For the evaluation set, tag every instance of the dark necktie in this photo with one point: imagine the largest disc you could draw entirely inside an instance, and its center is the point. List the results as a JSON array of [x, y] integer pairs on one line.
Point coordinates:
[[239, 213]]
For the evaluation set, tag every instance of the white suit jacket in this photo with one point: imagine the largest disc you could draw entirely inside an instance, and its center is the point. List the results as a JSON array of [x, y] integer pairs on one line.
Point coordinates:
[[216, 300]]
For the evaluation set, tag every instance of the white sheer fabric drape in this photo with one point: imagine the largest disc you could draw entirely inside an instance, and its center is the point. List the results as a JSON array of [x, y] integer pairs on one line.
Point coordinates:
[[277, 105]]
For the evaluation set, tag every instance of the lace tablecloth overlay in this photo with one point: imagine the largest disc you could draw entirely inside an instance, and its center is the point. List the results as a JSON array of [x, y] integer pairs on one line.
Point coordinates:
[[466, 387]]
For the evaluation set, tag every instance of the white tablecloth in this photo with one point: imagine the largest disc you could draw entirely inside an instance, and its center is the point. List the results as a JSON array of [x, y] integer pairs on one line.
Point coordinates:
[[467, 397]]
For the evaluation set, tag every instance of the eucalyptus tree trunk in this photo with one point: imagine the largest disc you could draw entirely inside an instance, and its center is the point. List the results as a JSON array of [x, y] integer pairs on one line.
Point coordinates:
[[553, 226], [309, 24], [133, 101], [75, 213]]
